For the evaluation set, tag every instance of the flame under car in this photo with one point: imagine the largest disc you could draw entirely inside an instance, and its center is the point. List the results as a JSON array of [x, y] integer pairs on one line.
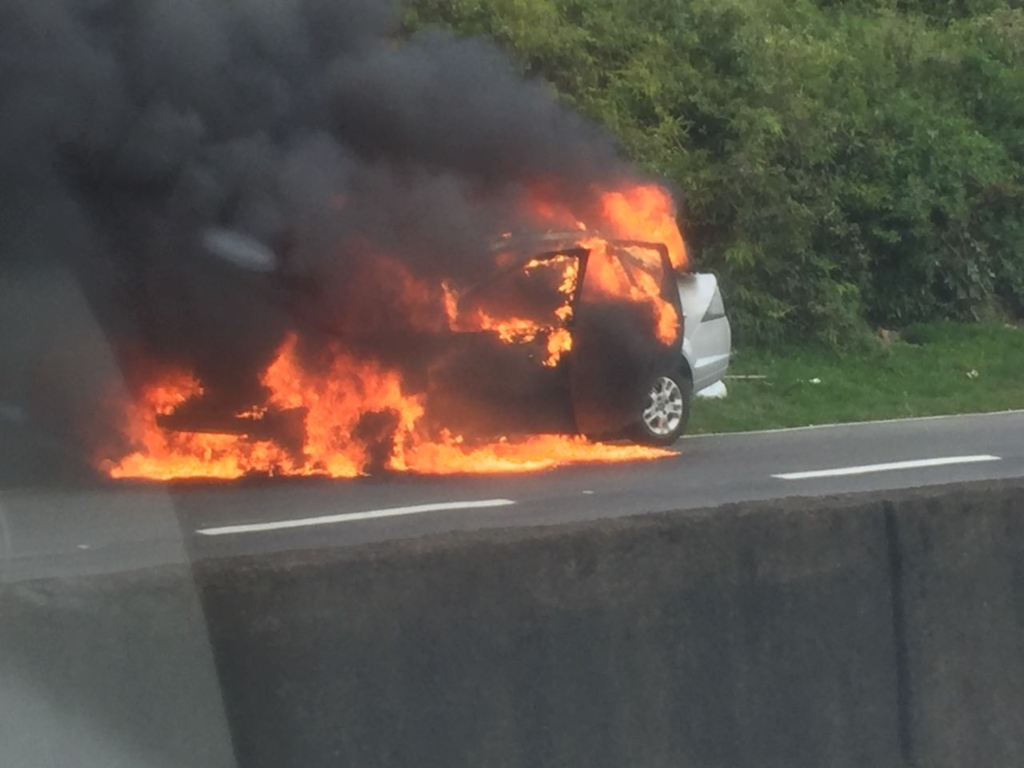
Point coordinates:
[[569, 335]]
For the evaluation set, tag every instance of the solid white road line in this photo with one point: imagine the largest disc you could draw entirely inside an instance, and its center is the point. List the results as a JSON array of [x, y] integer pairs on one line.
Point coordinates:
[[866, 468], [372, 514]]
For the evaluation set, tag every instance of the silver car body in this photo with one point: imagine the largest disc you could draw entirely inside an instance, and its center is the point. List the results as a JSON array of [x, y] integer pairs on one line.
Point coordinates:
[[707, 337]]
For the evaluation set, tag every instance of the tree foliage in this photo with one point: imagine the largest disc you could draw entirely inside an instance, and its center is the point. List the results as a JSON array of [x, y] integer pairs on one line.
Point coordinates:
[[841, 163]]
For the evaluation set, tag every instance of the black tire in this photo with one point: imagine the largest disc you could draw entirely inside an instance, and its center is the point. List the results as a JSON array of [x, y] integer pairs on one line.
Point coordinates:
[[657, 422]]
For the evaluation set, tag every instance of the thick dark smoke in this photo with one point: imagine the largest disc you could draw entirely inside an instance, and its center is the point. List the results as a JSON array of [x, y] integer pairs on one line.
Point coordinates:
[[132, 129]]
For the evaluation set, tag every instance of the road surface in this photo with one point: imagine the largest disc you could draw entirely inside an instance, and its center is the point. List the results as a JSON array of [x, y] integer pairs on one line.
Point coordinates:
[[118, 528]]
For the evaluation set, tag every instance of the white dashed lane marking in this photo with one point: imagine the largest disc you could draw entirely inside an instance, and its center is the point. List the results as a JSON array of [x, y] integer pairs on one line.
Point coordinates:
[[306, 522], [864, 469]]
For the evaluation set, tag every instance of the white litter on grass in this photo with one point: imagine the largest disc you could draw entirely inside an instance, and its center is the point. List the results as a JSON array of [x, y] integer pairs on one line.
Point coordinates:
[[716, 390], [815, 380]]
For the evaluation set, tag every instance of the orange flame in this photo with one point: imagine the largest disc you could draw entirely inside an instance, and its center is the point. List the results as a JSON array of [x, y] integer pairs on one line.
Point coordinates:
[[645, 212], [160, 454], [635, 212], [335, 403]]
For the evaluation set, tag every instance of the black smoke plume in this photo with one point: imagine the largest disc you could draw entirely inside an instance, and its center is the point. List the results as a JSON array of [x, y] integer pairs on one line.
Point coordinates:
[[136, 135]]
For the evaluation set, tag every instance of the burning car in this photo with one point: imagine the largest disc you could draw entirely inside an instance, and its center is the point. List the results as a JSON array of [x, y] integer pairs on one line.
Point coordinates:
[[562, 343]]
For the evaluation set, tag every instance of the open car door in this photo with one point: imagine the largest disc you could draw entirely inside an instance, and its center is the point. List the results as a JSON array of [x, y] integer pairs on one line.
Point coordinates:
[[627, 330]]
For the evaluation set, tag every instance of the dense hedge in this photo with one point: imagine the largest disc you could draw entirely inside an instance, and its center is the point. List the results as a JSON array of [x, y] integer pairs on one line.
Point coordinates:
[[843, 164]]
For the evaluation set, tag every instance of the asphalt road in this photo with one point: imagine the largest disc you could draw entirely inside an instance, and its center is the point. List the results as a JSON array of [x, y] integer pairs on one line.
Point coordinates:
[[131, 526]]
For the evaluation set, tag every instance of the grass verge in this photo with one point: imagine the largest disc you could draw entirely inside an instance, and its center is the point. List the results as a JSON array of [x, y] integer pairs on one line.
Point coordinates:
[[932, 369]]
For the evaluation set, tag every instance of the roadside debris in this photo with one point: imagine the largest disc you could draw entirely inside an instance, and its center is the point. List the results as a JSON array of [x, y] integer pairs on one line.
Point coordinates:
[[716, 391]]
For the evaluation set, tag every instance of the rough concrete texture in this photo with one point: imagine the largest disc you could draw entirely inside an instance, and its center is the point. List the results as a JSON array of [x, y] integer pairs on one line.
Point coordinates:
[[757, 635], [961, 575]]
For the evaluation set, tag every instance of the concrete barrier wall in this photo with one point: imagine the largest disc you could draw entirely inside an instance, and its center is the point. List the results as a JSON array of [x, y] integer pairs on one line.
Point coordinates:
[[960, 574], [874, 630], [877, 630]]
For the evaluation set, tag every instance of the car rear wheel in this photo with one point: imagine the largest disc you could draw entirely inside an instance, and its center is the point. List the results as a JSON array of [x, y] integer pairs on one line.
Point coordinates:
[[666, 410]]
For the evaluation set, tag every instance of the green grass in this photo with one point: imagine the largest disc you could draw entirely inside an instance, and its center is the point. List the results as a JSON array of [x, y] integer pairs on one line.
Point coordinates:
[[937, 368]]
